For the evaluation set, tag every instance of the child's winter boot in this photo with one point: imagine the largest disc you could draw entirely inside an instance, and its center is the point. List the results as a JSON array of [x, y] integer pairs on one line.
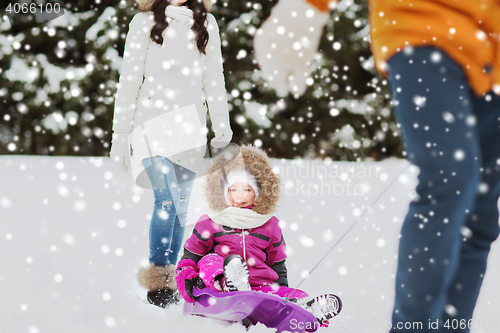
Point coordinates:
[[236, 274]]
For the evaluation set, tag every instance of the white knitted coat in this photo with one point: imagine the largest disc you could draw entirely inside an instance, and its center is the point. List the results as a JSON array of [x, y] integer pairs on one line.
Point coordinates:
[[159, 82]]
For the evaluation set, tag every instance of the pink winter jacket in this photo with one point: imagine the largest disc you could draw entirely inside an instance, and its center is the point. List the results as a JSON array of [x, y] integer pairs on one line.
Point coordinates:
[[261, 247]]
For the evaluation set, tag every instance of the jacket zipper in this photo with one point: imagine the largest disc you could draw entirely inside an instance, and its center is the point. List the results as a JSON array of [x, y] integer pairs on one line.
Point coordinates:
[[243, 233]]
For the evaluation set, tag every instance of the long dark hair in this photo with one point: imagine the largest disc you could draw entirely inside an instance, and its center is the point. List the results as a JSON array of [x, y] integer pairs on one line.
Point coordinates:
[[199, 16]]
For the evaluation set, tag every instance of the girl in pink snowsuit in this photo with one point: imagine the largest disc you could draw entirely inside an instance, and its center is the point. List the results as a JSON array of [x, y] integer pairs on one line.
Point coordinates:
[[242, 195]]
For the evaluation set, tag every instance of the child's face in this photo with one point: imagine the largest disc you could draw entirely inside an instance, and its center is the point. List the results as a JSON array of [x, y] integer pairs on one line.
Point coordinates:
[[240, 195]]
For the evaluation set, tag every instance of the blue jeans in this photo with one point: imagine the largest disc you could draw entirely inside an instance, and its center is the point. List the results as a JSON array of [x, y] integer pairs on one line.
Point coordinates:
[[172, 185], [453, 136]]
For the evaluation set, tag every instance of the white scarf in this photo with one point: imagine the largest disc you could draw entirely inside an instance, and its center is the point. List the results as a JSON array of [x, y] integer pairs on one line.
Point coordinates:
[[239, 218], [183, 14]]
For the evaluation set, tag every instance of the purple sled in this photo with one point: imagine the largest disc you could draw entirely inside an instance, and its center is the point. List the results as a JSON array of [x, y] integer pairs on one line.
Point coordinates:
[[253, 306]]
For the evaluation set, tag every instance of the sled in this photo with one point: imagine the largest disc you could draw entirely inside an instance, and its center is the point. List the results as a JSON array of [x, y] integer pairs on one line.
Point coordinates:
[[252, 307]]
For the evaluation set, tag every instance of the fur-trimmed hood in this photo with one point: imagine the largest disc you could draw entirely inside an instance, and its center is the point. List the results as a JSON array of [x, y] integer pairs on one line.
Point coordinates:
[[255, 161], [145, 5]]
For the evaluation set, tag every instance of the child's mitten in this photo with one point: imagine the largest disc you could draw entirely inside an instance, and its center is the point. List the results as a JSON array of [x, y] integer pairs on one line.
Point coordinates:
[[211, 271], [186, 279]]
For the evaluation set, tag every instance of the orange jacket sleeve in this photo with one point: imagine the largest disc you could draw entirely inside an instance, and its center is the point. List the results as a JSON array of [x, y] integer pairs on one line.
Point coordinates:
[[322, 5]]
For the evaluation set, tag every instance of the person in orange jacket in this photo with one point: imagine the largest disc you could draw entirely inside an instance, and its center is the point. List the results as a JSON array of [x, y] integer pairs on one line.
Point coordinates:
[[442, 59]]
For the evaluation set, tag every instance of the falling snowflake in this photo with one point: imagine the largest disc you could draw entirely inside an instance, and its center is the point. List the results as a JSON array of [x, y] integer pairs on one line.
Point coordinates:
[[459, 155], [33, 329], [436, 57], [328, 235], [451, 310], [106, 296], [448, 117], [356, 212], [306, 241], [105, 249], [80, 205], [63, 191], [69, 239], [5, 202], [471, 120], [483, 188], [466, 232], [109, 321], [419, 101]]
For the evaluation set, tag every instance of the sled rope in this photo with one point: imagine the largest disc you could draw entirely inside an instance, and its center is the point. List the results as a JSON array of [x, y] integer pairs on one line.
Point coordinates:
[[348, 230]]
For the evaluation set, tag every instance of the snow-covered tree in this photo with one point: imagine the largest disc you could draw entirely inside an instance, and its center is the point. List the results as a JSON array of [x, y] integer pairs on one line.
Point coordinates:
[[59, 79]]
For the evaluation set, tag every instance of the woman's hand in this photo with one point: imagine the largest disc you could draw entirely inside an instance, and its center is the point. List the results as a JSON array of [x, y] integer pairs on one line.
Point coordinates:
[[223, 132], [120, 150], [287, 42], [222, 138]]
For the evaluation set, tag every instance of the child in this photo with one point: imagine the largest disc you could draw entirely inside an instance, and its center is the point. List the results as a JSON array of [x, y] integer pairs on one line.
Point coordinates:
[[239, 245], [241, 196]]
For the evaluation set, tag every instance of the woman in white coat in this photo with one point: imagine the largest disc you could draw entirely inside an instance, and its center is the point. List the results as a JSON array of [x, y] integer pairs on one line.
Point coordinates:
[[171, 71]]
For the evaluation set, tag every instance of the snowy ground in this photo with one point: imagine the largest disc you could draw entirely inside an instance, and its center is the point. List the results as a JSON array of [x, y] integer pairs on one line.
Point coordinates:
[[73, 232]]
